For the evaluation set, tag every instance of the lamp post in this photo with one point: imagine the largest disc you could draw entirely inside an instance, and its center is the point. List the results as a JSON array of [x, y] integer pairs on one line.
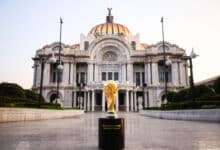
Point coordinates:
[[192, 87], [192, 56], [43, 59], [60, 66], [164, 60]]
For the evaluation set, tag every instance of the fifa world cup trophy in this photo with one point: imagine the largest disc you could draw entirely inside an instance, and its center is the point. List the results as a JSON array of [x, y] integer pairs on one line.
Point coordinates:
[[111, 91]]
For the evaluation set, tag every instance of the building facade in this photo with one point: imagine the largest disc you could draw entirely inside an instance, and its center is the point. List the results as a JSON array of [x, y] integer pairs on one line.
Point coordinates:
[[111, 52]]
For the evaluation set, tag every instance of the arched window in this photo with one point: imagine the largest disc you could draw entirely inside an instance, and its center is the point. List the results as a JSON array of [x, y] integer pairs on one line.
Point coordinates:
[[56, 48], [165, 47]]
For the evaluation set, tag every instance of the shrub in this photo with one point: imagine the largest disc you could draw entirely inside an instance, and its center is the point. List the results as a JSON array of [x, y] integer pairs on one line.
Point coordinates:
[[11, 90], [203, 90], [171, 96], [33, 95], [217, 85]]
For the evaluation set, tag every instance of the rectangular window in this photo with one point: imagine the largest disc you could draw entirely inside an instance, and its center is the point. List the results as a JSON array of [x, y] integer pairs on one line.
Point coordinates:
[[86, 45], [53, 73], [77, 78], [116, 76], [103, 76], [82, 77], [138, 78], [109, 75], [143, 78], [133, 45]]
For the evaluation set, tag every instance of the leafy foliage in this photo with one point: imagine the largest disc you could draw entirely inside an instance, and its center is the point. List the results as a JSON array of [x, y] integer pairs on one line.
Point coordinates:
[[217, 85], [11, 90]]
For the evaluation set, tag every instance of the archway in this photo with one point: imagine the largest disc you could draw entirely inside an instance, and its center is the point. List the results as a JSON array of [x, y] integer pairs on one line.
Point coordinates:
[[53, 98]]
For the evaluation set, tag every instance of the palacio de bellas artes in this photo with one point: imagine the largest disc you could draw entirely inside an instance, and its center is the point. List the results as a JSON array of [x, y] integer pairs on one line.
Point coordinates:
[[109, 51]]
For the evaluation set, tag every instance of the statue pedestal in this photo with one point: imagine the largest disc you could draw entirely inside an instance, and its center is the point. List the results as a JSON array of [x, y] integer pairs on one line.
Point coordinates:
[[111, 133]]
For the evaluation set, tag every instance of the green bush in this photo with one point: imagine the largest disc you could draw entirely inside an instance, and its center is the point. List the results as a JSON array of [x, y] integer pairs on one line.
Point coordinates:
[[11, 90], [33, 95], [171, 96], [217, 86], [209, 98], [191, 105], [203, 90]]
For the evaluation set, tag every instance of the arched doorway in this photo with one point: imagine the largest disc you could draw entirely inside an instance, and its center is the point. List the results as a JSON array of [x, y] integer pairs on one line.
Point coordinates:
[[53, 98], [163, 99]]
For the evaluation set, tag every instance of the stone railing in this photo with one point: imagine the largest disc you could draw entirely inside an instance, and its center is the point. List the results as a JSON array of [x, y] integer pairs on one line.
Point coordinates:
[[210, 115], [26, 114]]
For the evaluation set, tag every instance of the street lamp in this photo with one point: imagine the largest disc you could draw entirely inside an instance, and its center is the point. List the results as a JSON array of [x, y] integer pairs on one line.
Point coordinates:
[[192, 87], [43, 59], [60, 66], [190, 57], [165, 61]]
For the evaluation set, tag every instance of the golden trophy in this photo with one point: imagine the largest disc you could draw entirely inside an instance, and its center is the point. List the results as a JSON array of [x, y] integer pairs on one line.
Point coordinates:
[[111, 91]]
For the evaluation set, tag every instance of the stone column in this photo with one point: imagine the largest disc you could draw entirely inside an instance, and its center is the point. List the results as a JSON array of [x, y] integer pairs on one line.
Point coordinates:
[[65, 73], [46, 77], [103, 101], [132, 100], [123, 74], [130, 72], [127, 100], [146, 73], [88, 101], [135, 101], [149, 73], [145, 100], [84, 101], [93, 100], [155, 74], [74, 99], [117, 103], [74, 74], [71, 73], [90, 73], [174, 70], [96, 73]]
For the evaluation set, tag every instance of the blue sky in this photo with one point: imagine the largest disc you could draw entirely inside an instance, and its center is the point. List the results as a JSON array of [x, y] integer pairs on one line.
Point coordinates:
[[27, 25]]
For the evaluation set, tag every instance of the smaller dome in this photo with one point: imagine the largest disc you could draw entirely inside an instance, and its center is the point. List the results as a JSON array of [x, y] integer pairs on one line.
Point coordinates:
[[110, 29]]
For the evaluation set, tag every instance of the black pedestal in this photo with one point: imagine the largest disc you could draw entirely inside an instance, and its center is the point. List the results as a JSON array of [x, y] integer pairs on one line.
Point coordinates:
[[111, 133]]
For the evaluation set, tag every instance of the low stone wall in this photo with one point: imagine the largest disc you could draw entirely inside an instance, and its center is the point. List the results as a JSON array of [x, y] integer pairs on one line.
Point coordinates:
[[210, 115], [26, 114]]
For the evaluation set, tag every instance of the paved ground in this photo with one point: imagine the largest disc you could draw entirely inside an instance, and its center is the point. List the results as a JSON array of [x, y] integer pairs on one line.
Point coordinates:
[[82, 134]]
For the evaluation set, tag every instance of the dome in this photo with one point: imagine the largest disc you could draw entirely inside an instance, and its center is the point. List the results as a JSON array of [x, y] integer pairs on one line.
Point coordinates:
[[110, 28]]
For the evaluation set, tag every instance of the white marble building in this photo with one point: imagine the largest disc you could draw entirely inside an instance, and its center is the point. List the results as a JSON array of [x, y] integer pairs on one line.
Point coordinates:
[[111, 52]]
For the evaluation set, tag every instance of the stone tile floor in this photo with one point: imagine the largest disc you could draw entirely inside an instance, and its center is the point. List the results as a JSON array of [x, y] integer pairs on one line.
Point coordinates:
[[82, 134]]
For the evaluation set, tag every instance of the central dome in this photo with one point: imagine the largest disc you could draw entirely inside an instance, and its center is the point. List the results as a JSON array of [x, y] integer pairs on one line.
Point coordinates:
[[110, 28]]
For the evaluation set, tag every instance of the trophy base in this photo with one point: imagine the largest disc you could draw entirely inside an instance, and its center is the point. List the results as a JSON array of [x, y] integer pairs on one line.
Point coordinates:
[[112, 115], [111, 133]]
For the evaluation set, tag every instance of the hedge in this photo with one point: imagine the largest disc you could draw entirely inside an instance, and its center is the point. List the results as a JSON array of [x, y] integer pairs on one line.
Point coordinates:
[[191, 105]]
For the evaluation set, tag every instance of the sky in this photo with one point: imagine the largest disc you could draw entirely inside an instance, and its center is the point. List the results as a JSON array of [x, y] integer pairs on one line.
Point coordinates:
[[28, 25]]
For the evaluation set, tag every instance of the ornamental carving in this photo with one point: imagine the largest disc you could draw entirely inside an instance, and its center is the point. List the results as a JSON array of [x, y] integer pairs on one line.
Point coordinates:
[[109, 56]]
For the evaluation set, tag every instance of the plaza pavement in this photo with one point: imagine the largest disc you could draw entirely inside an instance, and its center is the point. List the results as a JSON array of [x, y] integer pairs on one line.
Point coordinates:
[[142, 133]]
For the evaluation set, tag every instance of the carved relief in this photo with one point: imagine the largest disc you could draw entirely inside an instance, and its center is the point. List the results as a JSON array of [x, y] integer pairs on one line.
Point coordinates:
[[109, 56]]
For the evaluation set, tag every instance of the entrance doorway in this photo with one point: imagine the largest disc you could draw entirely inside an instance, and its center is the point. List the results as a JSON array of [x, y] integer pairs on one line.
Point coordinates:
[[121, 98]]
